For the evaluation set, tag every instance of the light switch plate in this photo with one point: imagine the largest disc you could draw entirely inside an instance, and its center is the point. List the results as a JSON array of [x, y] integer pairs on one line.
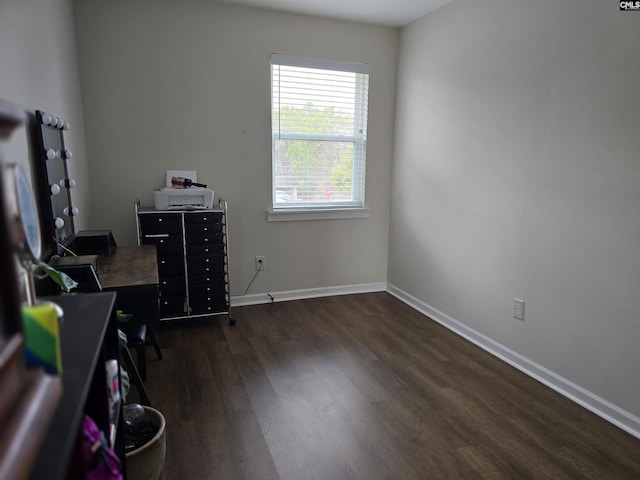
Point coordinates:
[[518, 309]]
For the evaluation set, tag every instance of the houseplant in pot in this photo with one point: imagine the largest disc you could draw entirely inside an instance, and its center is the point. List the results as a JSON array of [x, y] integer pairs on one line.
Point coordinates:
[[145, 442]]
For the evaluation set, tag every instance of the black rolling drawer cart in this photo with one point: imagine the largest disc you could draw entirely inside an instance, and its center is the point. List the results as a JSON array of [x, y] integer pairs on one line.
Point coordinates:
[[193, 266]]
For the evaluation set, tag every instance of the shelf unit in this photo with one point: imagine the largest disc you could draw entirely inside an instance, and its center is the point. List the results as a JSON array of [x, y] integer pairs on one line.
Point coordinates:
[[88, 337], [28, 397], [193, 259]]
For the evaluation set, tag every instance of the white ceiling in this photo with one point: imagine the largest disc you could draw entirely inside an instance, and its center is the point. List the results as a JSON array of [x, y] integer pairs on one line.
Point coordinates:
[[390, 13]]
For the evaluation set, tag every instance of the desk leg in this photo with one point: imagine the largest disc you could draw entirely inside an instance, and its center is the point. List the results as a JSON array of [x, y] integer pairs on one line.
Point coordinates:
[[232, 321], [135, 376]]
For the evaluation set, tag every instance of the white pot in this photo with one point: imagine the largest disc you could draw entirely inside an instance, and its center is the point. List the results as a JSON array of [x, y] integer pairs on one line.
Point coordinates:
[[145, 462]]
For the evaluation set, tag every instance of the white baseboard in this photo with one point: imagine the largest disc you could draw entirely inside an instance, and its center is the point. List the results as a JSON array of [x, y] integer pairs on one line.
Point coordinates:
[[284, 296], [601, 407]]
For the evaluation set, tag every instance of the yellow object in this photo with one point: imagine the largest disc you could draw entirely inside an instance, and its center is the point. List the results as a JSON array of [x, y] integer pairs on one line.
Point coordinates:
[[40, 324]]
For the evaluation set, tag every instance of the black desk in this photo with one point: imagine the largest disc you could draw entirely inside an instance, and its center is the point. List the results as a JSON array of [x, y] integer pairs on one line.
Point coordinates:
[[129, 267], [132, 272]]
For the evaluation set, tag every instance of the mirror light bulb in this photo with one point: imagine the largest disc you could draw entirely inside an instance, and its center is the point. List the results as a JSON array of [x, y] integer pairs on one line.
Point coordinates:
[[51, 154], [74, 211], [72, 183], [68, 154], [59, 222], [55, 189]]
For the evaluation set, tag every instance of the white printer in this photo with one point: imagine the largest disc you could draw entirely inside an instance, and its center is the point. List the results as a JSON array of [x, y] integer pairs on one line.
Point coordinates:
[[168, 198]]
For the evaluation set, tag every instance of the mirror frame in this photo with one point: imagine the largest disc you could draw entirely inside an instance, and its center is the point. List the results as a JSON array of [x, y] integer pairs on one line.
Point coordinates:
[[50, 205]]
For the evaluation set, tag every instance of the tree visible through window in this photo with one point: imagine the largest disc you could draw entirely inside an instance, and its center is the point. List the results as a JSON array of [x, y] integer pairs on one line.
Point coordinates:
[[319, 132]]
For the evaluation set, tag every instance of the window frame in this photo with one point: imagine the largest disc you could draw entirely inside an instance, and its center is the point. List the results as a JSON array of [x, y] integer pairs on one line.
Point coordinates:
[[326, 210]]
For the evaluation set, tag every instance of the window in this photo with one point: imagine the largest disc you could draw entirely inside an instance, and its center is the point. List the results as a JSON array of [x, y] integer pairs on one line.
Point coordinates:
[[319, 133]]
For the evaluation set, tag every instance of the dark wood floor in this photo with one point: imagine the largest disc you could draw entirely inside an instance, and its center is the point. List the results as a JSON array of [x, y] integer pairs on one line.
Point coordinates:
[[364, 387]]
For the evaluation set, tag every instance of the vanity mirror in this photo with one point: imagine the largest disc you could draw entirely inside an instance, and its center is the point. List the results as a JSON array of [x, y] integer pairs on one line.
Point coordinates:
[[53, 185]]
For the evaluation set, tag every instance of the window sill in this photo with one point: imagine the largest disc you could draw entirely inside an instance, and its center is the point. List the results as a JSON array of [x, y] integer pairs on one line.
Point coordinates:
[[326, 214]]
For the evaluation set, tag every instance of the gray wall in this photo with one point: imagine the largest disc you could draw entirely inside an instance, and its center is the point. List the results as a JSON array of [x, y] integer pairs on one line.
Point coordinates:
[[516, 174], [39, 70], [186, 85]]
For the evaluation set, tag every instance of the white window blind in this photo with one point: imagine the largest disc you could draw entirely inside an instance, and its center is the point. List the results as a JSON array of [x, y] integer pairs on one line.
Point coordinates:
[[319, 132]]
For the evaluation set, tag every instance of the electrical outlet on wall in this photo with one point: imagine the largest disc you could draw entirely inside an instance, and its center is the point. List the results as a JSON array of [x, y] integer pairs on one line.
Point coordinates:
[[518, 309]]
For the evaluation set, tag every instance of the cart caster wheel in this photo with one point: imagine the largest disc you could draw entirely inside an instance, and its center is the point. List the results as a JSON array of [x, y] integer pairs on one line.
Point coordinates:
[[232, 321]]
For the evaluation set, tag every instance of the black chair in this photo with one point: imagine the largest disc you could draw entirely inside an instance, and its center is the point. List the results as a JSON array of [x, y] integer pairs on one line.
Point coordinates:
[[138, 334], [135, 304]]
